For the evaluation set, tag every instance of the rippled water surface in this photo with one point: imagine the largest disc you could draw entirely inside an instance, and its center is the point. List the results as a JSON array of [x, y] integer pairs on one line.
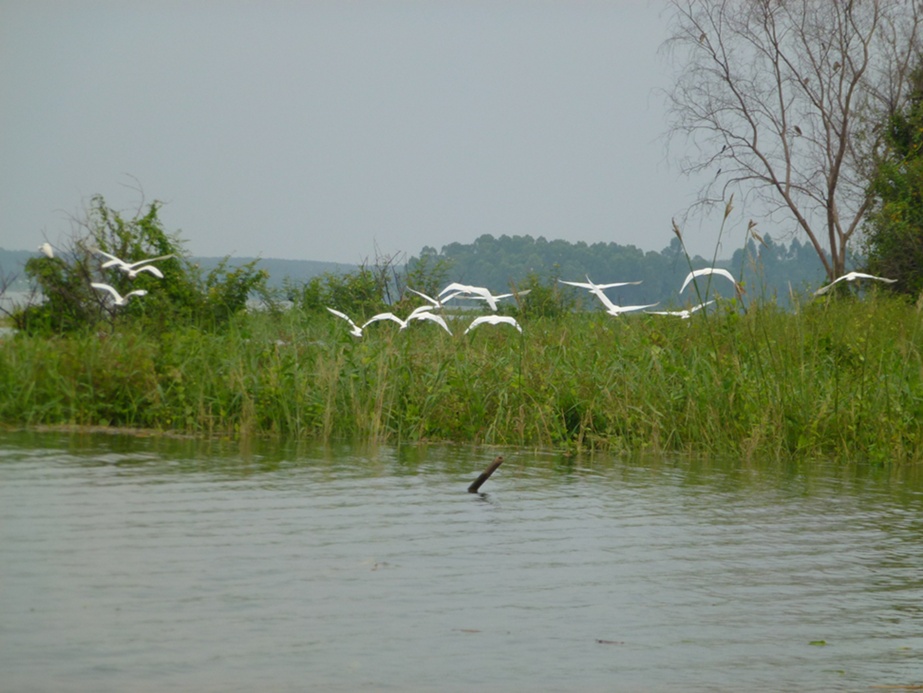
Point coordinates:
[[132, 564]]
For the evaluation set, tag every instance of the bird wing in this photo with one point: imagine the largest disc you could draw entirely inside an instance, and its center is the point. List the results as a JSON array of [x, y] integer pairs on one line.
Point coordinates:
[[461, 288], [113, 260], [342, 315], [384, 316], [700, 306], [615, 284], [150, 259], [493, 320], [708, 270], [432, 317], [421, 294], [105, 287], [629, 309], [582, 285], [146, 268]]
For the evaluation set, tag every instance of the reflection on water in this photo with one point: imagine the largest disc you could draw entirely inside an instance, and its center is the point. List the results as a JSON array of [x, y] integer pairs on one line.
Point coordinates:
[[132, 564]]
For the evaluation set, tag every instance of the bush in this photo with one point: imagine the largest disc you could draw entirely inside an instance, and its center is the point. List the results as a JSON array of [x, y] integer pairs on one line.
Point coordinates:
[[63, 299]]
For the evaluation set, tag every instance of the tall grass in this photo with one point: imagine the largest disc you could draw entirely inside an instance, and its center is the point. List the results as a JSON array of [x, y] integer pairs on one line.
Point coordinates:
[[839, 378]]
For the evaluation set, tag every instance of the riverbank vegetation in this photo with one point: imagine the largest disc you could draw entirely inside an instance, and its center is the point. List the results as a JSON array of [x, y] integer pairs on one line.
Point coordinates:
[[835, 376], [839, 377]]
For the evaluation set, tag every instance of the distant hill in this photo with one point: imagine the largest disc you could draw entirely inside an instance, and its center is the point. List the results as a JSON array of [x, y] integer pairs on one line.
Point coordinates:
[[279, 270], [12, 262]]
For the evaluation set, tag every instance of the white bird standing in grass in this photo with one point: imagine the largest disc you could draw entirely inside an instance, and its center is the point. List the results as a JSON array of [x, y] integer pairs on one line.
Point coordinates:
[[851, 277], [47, 250], [134, 268], [117, 298], [712, 270], [355, 330], [684, 314], [494, 320]]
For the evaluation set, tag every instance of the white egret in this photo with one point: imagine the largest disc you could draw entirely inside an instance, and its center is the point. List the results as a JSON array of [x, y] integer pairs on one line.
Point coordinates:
[[684, 314], [422, 313], [385, 316], [356, 331], [427, 315], [477, 292], [47, 250], [597, 289], [117, 298], [708, 271], [437, 303], [615, 310], [134, 268], [494, 320], [851, 277]]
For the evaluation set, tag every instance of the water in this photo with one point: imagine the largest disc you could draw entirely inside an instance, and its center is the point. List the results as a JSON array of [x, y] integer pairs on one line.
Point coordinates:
[[132, 564]]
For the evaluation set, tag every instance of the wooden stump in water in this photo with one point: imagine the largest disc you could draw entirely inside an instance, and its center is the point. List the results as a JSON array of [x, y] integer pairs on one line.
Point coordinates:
[[485, 475]]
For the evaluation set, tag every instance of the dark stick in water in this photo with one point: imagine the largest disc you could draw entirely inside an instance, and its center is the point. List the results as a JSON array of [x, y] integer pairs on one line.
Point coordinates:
[[485, 475]]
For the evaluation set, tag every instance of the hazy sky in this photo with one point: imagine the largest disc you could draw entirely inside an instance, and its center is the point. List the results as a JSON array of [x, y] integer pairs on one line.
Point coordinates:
[[325, 130]]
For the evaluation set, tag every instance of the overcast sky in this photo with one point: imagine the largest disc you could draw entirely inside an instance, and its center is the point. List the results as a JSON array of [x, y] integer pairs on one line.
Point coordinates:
[[332, 130]]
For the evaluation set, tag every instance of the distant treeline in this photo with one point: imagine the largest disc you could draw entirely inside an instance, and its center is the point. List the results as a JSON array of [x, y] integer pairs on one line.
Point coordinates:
[[13, 261], [768, 269]]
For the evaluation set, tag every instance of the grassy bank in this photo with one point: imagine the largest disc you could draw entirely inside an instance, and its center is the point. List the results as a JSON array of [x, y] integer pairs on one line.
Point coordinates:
[[840, 378]]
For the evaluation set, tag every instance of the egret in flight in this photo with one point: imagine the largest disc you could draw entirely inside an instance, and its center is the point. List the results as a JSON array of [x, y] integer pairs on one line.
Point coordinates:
[[494, 320], [436, 303], [477, 292], [851, 277], [709, 271], [684, 314], [597, 289], [422, 313], [134, 268], [615, 310], [117, 298]]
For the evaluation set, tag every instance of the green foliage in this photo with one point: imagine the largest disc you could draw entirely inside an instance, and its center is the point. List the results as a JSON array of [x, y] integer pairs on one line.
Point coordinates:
[[837, 379], [359, 293], [545, 298], [67, 301], [894, 228]]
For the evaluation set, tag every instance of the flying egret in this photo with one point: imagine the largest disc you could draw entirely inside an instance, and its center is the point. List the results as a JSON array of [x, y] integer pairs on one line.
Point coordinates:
[[47, 250], [684, 314], [437, 303], [851, 277], [385, 316], [477, 292], [708, 271], [427, 315], [597, 289], [494, 320], [615, 310], [117, 298], [134, 268], [356, 331]]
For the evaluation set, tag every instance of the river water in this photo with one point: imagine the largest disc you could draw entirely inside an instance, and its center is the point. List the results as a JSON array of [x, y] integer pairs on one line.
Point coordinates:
[[151, 564]]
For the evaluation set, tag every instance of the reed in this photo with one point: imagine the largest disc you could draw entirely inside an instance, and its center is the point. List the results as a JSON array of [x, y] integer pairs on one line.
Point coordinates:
[[840, 378]]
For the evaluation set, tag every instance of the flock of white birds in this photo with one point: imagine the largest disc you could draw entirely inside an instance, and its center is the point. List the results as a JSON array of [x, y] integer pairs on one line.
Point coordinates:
[[131, 269], [455, 290]]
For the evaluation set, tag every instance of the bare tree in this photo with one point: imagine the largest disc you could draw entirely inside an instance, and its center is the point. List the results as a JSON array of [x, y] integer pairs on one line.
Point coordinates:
[[781, 99]]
